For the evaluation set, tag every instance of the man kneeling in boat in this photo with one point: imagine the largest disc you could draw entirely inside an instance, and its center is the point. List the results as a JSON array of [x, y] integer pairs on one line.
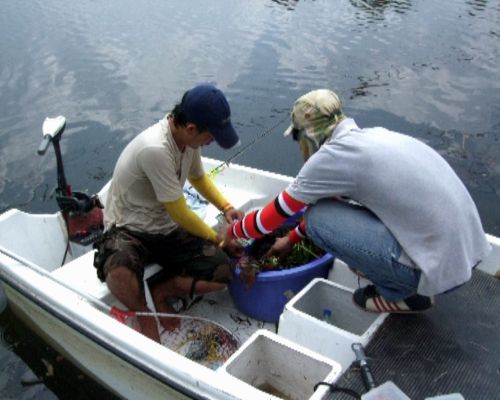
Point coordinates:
[[385, 203], [147, 219]]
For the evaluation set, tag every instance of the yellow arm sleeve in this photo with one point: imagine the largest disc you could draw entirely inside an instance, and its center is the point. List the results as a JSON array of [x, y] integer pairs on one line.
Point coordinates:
[[209, 191], [189, 220]]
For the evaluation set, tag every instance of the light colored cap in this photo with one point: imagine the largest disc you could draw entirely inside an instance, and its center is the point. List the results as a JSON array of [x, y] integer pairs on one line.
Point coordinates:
[[314, 116]]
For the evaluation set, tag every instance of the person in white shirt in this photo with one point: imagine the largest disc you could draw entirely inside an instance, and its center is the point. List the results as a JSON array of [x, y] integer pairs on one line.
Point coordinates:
[[385, 203]]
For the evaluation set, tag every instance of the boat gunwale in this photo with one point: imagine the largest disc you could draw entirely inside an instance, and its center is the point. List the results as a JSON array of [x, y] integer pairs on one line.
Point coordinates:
[[84, 330]]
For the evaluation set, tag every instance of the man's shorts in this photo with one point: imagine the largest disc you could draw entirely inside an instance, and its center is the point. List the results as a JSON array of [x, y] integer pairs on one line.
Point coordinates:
[[178, 253]]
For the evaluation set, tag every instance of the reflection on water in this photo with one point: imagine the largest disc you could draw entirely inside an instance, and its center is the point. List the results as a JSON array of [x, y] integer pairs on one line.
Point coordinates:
[[366, 5], [288, 4], [427, 68], [400, 6], [477, 5]]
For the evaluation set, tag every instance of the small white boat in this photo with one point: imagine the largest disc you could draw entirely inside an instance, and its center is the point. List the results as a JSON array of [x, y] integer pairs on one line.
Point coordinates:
[[51, 284]]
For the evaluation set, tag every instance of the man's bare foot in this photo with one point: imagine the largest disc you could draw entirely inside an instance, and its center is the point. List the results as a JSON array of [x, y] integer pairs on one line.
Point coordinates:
[[148, 327], [169, 324], [179, 286], [182, 285]]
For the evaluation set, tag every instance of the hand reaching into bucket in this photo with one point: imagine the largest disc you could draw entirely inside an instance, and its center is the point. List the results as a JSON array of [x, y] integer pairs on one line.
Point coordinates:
[[233, 248], [281, 248]]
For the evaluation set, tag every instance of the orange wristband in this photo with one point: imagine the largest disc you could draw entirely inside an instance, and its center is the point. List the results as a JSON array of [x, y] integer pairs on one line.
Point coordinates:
[[226, 207]]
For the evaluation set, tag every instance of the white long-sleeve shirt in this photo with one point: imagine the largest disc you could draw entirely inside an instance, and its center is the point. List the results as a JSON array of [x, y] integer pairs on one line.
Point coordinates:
[[413, 191]]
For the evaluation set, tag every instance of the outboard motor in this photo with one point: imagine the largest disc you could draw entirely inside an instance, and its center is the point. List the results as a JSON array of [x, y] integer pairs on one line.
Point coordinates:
[[81, 212]]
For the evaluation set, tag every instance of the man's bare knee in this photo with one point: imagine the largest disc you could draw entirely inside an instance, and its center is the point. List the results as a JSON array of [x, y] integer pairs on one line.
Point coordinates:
[[124, 285], [119, 276]]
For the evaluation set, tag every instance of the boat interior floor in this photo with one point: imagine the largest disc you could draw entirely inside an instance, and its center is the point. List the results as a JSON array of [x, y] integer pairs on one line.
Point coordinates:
[[452, 348], [220, 308]]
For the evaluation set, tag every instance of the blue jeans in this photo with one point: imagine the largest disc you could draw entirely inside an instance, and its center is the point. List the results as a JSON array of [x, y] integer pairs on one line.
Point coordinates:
[[357, 237]]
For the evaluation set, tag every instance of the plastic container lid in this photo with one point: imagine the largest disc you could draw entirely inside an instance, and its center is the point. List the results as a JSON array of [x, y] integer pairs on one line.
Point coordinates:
[[386, 391]]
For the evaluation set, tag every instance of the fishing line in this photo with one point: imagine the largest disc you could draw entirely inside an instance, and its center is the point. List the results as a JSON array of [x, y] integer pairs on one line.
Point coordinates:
[[216, 170], [121, 316]]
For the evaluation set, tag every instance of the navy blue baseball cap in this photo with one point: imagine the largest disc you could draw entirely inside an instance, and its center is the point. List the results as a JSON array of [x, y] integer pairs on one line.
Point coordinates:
[[207, 107]]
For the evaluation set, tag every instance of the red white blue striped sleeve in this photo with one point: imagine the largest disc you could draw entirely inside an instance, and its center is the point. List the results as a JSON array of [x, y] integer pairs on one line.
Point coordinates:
[[298, 234], [262, 222]]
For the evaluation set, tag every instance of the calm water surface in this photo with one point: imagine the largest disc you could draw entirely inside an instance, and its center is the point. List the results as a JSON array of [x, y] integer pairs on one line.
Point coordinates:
[[427, 68]]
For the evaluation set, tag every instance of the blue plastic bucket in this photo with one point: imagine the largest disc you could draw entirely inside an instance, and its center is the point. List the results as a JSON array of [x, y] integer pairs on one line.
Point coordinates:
[[267, 297]]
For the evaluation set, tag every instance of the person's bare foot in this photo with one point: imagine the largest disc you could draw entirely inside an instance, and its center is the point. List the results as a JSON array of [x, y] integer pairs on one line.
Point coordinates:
[[149, 328], [182, 285], [168, 323], [179, 286]]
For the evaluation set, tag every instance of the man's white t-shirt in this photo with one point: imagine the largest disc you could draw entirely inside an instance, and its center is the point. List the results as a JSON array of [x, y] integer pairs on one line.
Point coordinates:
[[151, 170]]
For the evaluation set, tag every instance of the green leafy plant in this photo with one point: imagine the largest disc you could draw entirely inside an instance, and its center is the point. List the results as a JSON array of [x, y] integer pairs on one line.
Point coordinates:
[[255, 260], [302, 253]]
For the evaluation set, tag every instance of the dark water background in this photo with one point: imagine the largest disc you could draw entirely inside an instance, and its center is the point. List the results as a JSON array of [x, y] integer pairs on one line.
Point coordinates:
[[427, 68]]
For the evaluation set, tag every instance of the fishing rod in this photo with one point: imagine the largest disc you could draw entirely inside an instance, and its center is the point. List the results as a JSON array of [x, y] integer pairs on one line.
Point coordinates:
[[216, 170]]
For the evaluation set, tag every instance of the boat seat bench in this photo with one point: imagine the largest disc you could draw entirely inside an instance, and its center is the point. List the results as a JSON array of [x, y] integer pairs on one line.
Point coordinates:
[[81, 274]]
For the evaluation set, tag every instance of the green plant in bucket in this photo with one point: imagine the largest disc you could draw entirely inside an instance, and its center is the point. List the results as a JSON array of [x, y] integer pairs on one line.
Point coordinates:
[[302, 253], [255, 261]]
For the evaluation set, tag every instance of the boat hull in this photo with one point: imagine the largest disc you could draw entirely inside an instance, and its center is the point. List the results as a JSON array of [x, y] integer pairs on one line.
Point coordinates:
[[108, 369]]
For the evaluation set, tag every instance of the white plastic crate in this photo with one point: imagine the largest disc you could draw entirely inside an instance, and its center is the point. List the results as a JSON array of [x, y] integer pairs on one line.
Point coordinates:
[[269, 366], [302, 321]]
